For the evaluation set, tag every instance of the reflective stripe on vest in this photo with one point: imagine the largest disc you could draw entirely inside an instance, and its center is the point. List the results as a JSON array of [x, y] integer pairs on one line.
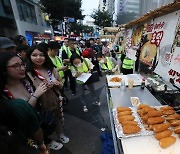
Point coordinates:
[[120, 50], [70, 53], [128, 63], [58, 63], [64, 48], [109, 66]]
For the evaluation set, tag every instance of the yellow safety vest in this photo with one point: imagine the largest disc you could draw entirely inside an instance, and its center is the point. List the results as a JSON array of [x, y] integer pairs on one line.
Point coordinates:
[[58, 63], [128, 63], [120, 50], [69, 54], [83, 69], [110, 64], [64, 48]]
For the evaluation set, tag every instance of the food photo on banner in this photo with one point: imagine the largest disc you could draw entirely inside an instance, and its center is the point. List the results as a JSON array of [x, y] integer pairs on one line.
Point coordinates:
[[133, 41], [156, 50]]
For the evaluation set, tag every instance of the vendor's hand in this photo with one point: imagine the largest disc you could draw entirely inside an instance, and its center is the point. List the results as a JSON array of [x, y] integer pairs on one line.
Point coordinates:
[[42, 88]]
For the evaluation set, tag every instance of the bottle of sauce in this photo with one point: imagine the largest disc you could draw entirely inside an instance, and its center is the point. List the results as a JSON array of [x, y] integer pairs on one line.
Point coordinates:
[[143, 83]]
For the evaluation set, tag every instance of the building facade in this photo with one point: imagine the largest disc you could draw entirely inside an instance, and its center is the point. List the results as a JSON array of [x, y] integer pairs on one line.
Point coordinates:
[[126, 10], [27, 18], [147, 5]]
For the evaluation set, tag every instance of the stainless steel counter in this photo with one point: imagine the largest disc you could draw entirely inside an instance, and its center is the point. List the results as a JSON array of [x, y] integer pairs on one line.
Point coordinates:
[[121, 97]]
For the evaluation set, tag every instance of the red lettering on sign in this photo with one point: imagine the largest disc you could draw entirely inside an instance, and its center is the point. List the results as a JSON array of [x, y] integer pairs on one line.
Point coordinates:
[[157, 37]]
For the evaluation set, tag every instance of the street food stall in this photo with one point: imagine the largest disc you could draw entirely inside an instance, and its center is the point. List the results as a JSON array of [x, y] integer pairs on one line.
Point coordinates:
[[144, 108]]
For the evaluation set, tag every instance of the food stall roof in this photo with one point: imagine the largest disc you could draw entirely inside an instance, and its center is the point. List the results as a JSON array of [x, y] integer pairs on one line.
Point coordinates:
[[107, 36], [165, 9]]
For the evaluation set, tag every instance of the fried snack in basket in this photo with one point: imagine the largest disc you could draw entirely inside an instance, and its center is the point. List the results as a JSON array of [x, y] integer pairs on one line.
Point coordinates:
[[177, 129], [155, 120], [121, 109], [166, 108], [154, 114], [161, 127], [166, 142], [126, 118], [175, 123], [168, 112], [141, 106], [124, 113], [131, 129], [115, 79], [126, 123], [173, 117], [163, 134]]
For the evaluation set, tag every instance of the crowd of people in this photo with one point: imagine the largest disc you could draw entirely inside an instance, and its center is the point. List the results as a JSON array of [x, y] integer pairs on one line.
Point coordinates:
[[33, 80]]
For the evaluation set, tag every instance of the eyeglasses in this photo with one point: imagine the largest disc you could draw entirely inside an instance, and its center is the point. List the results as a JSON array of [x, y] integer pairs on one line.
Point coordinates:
[[18, 66]]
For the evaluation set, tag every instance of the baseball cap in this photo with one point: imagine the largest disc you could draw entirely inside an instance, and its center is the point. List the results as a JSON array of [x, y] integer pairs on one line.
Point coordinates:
[[6, 43], [53, 45]]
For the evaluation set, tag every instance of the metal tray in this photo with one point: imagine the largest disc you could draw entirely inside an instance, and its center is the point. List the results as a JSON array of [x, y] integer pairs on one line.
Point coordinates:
[[119, 130]]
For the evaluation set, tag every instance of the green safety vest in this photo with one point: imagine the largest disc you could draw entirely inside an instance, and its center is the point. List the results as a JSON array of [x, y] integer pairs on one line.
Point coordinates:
[[120, 50], [110, 64], [64, 48], [128, 63], [69, 54], [58, 63], [83, 69]]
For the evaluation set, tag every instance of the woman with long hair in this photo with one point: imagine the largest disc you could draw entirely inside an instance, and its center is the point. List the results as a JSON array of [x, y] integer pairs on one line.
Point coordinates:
[[14, 86], [40, 69]]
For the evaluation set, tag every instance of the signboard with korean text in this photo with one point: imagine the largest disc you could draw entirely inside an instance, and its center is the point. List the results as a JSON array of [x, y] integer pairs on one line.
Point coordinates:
[[156, 49], [174, 71], [167, 40]]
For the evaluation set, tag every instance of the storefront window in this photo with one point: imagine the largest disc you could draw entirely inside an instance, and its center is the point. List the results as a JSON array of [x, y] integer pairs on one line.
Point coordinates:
[[26, 12]]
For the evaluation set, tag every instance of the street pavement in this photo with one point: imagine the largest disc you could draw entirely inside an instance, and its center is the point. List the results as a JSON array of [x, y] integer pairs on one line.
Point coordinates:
[[85, 129]]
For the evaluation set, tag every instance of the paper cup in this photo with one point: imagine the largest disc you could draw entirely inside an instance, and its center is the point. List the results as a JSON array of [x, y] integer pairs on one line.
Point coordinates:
[[130, 83]]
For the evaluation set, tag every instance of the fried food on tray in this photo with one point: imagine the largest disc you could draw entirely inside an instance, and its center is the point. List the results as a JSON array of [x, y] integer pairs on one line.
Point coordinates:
[[126, 118], [131, 129], [115, 79], [163, 134], [173, 117], [155, 120], [166, 142], [124, 113], [175, 123], [154, 114], [161, 127], [166, 108], [121, 109], [177, 129], [168, 112], [126, 123], [141, 106]]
